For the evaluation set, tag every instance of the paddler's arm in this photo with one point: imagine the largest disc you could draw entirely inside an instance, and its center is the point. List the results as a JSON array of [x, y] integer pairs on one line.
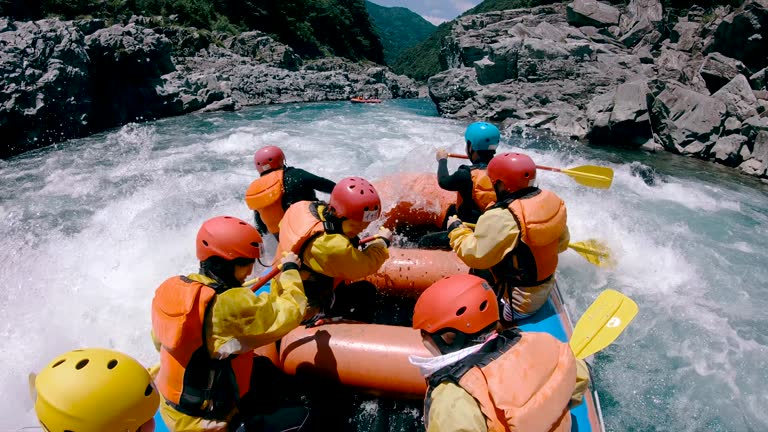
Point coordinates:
[[241, 321], [334, 255], [452, 182], [582, 383], [314, 181], [495, 235], [454, 410], [565, 239]]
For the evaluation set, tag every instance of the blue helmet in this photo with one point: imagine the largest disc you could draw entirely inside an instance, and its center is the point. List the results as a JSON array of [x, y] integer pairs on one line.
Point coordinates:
[[482, 136]]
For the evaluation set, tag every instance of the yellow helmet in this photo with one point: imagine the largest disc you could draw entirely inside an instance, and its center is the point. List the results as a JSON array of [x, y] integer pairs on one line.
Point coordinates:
[[94, 390]]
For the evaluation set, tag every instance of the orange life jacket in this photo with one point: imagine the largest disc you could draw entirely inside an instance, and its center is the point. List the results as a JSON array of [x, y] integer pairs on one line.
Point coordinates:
[[300, 225], [522, 382], [265, 195], [483, 193], [541, 218], [190, 380]]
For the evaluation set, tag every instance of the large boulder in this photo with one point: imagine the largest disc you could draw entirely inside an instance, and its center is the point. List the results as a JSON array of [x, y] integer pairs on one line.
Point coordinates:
[[728, 150], [126, 64], [743, 34], [621, 118], [759, 80], [686, 35], [44, 95], [739, 98], [642, 17], [679, 66], [592, 13], [264, 49], [450, 89], [718, 70], [687, 122], [757, 162]]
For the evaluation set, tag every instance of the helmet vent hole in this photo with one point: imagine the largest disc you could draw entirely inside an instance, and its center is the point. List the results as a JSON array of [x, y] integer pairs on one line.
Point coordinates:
[[362, 192], [461, 311], [148, 390], [81, 364], [205, 242], [483, 305], [227, 217], [254, 244], [365, 208], [58, 363], [242, 223], [352, 187], [112, 363]]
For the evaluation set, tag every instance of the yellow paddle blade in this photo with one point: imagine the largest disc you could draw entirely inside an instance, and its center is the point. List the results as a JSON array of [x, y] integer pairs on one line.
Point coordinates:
[[590, 175], [594, 251], [605, 319]]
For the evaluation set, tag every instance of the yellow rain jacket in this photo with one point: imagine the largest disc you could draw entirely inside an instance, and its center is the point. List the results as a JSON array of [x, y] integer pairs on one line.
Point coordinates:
[[330, 255], [496, 235], [237, 322]]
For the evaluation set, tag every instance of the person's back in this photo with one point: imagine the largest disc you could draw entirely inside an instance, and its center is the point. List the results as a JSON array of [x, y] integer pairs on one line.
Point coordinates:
[[325, 237], [206, 326], [482, 379], [278, 187], [518, 239], [474, 191]]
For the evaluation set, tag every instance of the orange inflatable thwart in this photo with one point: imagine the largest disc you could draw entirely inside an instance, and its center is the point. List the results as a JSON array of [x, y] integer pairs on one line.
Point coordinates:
[[370, 357], [408, 272]]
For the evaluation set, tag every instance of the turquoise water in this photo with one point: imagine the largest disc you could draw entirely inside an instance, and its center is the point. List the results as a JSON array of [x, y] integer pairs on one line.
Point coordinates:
[[91, 227]]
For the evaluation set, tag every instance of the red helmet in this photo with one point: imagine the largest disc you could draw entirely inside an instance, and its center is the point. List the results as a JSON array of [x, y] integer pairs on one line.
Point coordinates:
[[461, 302], [229, 238], [516, 170], [355, 198], [268, 158]]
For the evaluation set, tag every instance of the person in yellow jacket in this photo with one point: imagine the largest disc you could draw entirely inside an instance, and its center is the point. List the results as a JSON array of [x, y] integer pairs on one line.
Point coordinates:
[[206, 327], [326, 238], [95, 390], [474, 191], [518, 238], [278, 187], [482, 378]]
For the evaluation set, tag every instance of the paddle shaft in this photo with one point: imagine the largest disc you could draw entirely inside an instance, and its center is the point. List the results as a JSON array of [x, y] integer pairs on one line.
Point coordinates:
[[261, 281]]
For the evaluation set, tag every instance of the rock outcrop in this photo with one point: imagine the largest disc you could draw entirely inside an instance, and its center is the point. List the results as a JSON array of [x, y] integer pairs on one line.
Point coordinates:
[[618, 76], [68, 79]]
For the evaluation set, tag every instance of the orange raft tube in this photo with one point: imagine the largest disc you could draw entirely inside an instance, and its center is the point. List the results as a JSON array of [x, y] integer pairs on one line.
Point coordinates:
[[369, 357], [413, 200], [408, 272]]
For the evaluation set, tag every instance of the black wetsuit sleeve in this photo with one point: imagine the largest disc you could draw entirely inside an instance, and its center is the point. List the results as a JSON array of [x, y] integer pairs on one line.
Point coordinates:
[[315, 182], [261, 227], [459, 181]]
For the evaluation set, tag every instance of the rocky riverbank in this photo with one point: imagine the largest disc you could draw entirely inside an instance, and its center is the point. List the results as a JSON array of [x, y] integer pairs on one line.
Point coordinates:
[[635, 77], [65, 79]]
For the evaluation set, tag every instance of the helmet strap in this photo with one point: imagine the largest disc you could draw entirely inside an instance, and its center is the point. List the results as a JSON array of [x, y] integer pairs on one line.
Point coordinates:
[[331, 223]]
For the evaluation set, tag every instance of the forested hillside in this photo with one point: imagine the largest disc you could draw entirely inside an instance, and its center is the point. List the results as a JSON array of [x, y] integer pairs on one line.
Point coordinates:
[[312, 28], [398, 28]]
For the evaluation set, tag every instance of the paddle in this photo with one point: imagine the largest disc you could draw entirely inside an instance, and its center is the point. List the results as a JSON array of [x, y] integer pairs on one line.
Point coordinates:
[[259, 282], [598, 177], [594, 251], [605, 319]]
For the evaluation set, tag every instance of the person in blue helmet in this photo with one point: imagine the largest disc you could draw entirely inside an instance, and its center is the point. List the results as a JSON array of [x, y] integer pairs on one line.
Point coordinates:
[[474, 191]]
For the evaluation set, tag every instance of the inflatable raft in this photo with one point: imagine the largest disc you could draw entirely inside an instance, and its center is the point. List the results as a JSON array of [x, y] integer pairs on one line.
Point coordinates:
[[373, 358], [365, 101]]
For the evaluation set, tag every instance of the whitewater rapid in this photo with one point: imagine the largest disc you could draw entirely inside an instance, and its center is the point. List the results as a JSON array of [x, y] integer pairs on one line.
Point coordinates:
[[89, 228]]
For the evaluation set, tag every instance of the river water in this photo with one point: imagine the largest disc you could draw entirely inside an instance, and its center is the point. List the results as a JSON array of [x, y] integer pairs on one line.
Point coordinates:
[[89, 228]]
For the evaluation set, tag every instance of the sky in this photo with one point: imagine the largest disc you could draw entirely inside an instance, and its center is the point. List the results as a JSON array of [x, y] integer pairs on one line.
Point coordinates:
[[434, 11]]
